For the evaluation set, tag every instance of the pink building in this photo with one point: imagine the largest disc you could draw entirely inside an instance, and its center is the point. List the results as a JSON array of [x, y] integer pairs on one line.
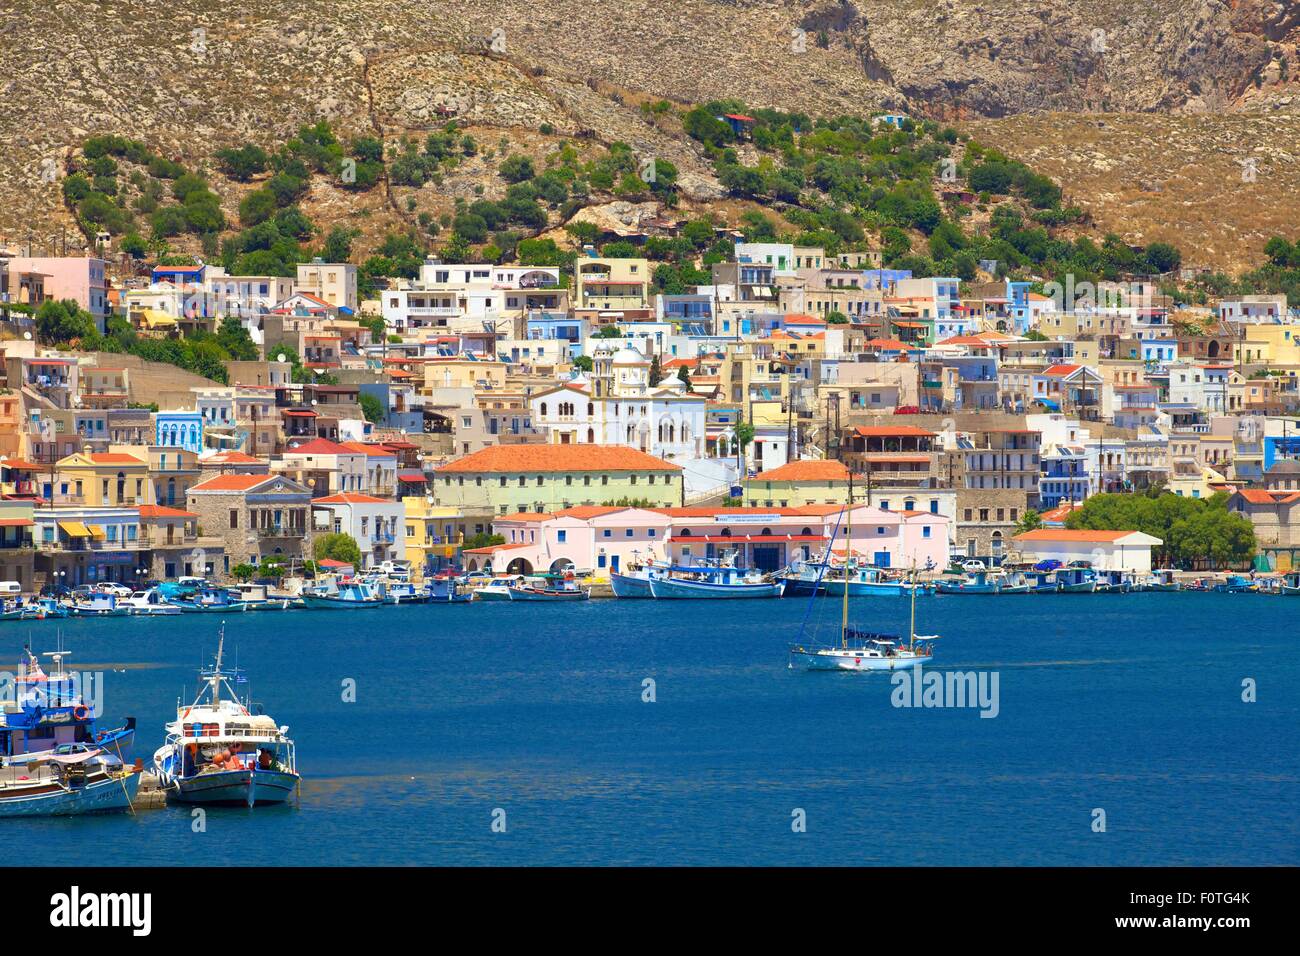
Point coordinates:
[[71, 277], [591, 538], [604, 539]]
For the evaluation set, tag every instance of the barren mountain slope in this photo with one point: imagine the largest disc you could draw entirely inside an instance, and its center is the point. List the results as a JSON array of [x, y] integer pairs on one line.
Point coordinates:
[[189, 78]]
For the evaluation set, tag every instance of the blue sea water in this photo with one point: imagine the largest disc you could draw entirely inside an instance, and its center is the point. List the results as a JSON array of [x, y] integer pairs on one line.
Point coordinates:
[[1127, 703]]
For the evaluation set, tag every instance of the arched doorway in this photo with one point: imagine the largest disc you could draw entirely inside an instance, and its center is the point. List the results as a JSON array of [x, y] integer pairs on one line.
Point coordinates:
[[560, 565], [519, 566]]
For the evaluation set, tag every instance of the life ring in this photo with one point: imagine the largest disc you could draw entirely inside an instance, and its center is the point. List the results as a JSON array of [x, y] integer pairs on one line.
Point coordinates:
[[81, 712]]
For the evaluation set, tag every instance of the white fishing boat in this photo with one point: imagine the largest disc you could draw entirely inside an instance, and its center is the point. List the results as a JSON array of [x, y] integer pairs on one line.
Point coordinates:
[[67, 784], [720, 580], [149, 603], [218, 751], [496, 591]]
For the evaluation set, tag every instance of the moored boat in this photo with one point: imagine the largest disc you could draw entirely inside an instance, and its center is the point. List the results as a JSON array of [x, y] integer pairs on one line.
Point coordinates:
[[344, 596], [93, 781], [218, 751], [50, 712], [553, 588], [1162, 579], [1078, 577]]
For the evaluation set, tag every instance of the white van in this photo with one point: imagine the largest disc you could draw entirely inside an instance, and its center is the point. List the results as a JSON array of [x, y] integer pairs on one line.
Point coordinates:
[[10, 589]]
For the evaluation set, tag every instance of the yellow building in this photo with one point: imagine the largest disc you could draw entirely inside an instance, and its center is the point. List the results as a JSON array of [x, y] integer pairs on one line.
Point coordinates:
[[799, 483], [611, 284], [432, 534], [106, 479], [1271, 345], [463, 373]]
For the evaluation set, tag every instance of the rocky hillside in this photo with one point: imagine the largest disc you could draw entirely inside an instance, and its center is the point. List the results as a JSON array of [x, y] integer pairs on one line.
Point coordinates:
[[188, 79]]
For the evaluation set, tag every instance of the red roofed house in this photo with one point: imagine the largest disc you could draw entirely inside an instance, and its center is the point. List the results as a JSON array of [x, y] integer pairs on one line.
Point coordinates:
[[327, 467], [818, 482], [1106, 550], [506, 479], [1276, 517], [255, 516], [1068, 387], [171, 546]]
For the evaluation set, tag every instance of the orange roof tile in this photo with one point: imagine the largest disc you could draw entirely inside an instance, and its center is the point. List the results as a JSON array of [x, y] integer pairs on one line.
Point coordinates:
[[114, 458], [557, 458], [231, 483], [322, 446], [160, 511], [1066, 534], [350, 498], [830, 470]]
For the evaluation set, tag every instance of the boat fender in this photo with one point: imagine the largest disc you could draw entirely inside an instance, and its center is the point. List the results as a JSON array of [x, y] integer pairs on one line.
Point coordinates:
[[81, 712]]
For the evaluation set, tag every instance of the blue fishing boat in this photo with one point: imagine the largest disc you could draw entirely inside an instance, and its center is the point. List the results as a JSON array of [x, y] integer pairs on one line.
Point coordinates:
[[1077, 577], [343, 596], [866, 581], [54, 607], [50, 712], [553, 587], [446, 589], [712, 582], [99, 604], [1237, 584], [68, 784], [218, 751], [974, 582], [211, 600]]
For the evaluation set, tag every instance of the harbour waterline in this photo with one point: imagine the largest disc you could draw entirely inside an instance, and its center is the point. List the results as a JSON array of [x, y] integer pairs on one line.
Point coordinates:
[[1128, 703]]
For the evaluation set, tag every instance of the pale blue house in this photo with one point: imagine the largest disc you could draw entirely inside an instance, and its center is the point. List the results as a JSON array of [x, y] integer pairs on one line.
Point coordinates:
[[183, 429]]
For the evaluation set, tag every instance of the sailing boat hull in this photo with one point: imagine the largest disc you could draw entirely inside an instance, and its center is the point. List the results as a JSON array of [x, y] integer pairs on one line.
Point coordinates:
[[838, 659]]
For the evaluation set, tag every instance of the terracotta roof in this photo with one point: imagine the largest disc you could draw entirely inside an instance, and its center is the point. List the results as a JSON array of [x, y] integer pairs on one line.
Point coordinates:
[[21, 464], [1062, 369], [1065, 534], [586, 512], [370, 451], [231, 482], [1262, 496], [322, 446], [230, 458], [890, 345], [114, 458], [557, 458], [525, 516], [830, 470], [350, 498], [160, 511]]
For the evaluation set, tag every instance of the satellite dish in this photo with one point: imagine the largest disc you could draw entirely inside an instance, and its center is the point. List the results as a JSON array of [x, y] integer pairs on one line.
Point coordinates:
[[27, 336], [281, 358]]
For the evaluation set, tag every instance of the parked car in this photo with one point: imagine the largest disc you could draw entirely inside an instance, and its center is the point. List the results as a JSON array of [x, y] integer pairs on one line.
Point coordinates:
[[907, 410], [972, 566]]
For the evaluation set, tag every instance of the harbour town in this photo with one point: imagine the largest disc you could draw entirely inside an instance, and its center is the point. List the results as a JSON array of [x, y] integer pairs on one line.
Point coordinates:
[[881, 381]]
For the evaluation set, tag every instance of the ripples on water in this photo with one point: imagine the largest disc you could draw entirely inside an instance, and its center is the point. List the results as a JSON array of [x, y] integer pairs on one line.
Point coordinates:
[[1131, 703]]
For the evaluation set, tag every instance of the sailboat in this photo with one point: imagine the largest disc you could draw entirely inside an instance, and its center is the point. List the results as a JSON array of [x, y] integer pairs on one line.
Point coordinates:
[[865, 650]]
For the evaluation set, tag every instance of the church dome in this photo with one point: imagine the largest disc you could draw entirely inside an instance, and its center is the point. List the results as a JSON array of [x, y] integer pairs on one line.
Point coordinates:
[[629, 356]]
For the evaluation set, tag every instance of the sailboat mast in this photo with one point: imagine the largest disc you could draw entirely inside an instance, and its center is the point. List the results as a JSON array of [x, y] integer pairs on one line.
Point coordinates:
[[848, 553], [911, 628]]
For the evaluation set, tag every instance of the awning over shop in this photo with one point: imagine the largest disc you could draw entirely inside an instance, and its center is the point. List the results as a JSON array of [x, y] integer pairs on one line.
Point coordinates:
[[74, 529], [96, 532]]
